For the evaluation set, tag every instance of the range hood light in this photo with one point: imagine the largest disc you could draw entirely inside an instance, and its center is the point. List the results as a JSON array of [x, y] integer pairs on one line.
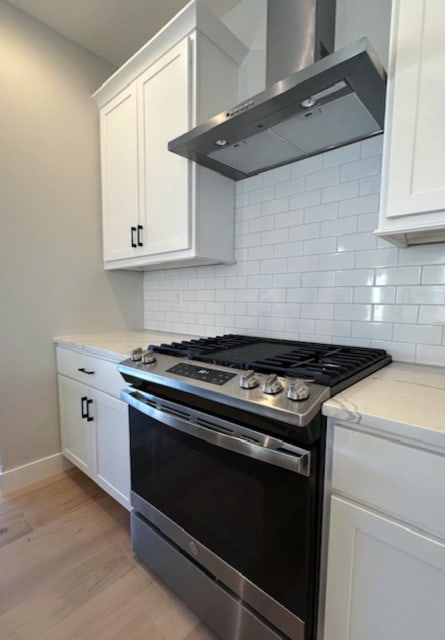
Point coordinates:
[[308, 103], [221, 143]]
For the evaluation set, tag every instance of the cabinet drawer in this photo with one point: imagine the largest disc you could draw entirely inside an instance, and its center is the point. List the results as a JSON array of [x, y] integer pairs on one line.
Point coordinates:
[[394, 478], [79, 366]]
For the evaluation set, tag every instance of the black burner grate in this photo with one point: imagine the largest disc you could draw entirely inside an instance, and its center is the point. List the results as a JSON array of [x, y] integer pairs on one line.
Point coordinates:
[[328, 364]]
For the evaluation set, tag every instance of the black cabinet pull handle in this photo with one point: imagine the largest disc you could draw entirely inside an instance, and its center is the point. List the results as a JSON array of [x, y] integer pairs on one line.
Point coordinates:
[[140, 229], [88, 417], [133, 241], [83, 370], [84, 407]]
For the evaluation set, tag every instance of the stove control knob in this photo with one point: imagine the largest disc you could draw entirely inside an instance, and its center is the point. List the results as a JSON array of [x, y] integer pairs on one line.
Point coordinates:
[[298, 390], [271, 385], [148, 357], [136, 354], [248, 380]]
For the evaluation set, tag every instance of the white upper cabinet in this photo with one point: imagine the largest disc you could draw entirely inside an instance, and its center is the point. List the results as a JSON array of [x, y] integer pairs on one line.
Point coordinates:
[[413, 189], [159, 209]]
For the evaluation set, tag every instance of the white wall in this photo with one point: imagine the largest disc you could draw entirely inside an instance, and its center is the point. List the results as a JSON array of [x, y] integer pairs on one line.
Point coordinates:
[[51, 277], [309, 267]]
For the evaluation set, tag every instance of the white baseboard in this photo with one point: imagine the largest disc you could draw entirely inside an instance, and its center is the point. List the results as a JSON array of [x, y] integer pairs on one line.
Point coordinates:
[[19, 477]]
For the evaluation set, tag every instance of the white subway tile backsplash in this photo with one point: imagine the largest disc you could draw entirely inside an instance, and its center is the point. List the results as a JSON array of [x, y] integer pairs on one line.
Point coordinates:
[[370, 184], [285, 280], [288, 249], [357, 206], [360, 169], [372, 146], [265, 223], [335, 294], [273, 207], [395, 313], [297, 326], [430, 354], [339, 192], [301, 294], [372, 330], [337, 328], [342, 155], [359, 312], [289, 219], [421, 295], [338, 227], [321, 212], [355, 278], [307, 166], [319, 246], [375, 295], [423, 255], [318, 279], [336, 261], [418, 333], [322, 179], [307, 199], [367, 221], [309, 267], [398, 275], [429, 314], [290, 188], [356, 242], [275, 176], [277, 265], [377, 258], [433, 275], [262, 195], [317, 311]]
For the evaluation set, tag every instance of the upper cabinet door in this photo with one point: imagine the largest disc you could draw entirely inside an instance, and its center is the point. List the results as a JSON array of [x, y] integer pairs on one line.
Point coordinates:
[[413, 193], [418, 128], [165, 104], [120, 194]]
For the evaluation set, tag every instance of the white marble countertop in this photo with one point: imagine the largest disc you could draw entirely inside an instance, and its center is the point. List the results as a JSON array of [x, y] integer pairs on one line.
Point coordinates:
[[404, 401], [117, 345]]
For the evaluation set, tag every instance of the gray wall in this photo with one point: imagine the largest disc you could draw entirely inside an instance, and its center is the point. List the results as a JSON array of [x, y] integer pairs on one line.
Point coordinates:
[[51, 276]]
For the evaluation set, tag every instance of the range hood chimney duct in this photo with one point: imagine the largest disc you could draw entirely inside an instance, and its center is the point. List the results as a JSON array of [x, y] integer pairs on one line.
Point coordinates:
[[316, 98], [298, 32]]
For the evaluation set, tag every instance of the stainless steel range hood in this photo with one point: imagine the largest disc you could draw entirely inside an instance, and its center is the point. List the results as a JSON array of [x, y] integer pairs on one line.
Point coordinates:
[[329, 100]]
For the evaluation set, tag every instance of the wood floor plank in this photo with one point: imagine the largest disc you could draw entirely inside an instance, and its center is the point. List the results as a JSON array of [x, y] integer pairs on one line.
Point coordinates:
[[67, 571], [13, 525]]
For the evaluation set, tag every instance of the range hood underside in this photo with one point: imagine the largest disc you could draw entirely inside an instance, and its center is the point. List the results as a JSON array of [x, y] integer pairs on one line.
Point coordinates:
[[273, 128]]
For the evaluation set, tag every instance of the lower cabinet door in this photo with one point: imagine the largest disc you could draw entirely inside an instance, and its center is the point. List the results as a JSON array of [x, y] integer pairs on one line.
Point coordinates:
[[75, 430], [112, 451], [385, 581]]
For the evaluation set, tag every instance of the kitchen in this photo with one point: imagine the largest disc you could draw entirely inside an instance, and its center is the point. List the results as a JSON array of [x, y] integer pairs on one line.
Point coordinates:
[[295, 277]]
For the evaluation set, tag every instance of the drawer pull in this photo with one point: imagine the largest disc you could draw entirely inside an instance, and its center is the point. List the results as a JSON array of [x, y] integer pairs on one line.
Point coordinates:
[[83, 370]]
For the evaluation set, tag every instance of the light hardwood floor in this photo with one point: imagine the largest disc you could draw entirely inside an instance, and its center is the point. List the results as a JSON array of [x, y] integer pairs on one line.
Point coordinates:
[[67, 571]]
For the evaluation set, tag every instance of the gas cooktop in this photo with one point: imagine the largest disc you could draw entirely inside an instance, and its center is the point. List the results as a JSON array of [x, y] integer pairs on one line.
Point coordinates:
[[283, 380], [332, 365]]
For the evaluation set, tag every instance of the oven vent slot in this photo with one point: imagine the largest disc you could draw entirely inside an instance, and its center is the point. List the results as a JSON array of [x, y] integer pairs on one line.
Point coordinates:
[[211, 425], [173, 412]]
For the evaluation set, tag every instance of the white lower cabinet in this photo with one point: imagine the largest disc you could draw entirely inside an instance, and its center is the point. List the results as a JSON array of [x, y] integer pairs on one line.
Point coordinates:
[[386, 543], [385, 581], [94, 424]]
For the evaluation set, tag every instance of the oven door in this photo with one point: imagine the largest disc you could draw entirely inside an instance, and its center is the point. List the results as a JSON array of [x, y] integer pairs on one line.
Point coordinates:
[[239, 502]]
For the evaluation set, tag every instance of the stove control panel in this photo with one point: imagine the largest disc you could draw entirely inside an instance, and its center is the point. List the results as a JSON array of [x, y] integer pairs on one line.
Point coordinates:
[[212, 376]]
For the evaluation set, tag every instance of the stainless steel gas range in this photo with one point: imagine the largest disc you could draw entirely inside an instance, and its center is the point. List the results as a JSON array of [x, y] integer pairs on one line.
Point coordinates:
[[227, 446]]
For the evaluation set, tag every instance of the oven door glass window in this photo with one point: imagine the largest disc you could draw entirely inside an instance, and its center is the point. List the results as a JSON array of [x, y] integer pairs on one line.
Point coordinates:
[[259, 518]]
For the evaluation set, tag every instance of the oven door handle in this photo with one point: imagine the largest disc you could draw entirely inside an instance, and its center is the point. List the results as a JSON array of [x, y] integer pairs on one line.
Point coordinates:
[[271, 451]]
